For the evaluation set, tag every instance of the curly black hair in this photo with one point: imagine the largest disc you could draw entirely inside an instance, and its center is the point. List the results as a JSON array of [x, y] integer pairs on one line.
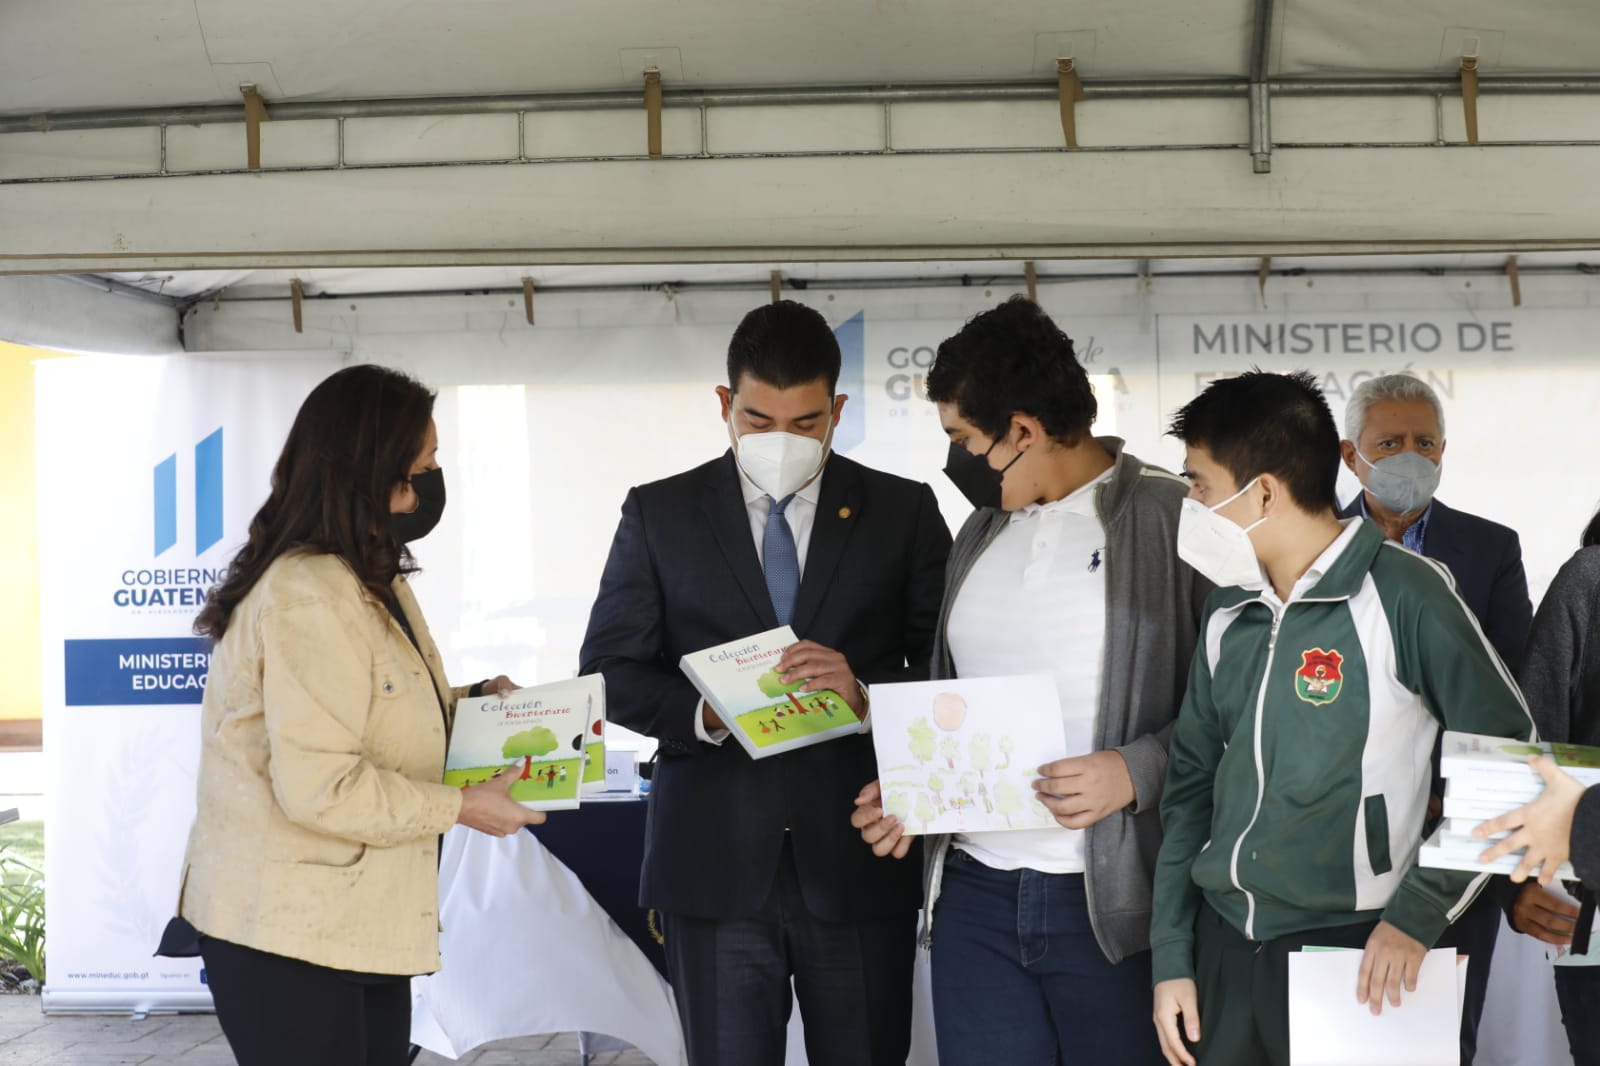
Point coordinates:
[[1009, 360]]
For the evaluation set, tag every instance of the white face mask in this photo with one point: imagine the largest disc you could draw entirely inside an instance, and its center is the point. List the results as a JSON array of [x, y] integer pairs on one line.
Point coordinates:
[[780, 464], [1219, 549]]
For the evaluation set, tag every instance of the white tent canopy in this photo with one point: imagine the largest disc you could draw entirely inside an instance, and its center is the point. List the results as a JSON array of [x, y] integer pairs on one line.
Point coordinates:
[[513, 134]]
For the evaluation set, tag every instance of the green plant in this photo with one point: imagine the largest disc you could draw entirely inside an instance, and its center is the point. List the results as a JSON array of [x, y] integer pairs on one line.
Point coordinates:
[[21, 912]]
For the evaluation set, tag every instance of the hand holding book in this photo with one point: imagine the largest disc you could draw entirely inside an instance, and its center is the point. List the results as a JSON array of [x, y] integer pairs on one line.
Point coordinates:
[[1543, 827], [489, 808], [774, 693], [821, 669]]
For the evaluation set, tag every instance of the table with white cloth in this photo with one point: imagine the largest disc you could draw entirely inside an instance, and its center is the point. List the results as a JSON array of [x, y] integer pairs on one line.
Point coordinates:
[[527, 949]]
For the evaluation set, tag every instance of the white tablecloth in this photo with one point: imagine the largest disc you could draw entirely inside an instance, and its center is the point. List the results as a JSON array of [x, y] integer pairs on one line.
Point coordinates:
[[526, 950]]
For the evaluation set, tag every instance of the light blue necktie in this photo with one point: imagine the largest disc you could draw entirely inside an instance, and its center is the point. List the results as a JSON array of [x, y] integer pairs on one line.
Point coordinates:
[[780, 560]]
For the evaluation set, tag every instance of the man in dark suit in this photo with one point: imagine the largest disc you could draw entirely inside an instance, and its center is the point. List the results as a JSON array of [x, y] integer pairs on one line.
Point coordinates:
[[1394, 443], [753, 864]]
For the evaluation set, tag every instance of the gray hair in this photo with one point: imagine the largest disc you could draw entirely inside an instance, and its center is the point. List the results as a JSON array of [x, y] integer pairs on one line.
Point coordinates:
[[1389, 387]]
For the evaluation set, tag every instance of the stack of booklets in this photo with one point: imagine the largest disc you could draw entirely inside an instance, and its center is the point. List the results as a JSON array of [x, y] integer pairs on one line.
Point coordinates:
[[553, 733], [1486, 777], [765, 714]]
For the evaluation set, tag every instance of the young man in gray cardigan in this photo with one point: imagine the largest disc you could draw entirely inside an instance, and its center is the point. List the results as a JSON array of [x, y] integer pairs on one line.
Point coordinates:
[[1068, 566]]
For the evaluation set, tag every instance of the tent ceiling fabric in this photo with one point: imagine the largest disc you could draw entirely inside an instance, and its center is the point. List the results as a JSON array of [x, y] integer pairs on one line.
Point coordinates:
[[59, 55], [945, 140]]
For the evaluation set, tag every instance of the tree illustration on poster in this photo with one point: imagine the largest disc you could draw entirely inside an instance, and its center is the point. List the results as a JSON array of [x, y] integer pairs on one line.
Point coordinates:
[[982, 756], [1007, 799], [922, 741], [529, 745]]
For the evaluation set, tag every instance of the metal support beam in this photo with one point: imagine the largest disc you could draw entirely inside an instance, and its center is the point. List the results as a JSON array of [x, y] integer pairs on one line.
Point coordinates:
[[1316, 201], [1213, 88], [1260, 94], [87, 315]]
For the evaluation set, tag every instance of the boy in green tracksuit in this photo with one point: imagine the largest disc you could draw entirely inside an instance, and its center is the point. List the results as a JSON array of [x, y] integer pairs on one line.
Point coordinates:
[[1298, 776]]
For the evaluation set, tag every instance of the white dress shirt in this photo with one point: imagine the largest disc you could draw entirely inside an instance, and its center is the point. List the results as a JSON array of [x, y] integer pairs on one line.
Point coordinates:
[[1035, 602], [801, 514]]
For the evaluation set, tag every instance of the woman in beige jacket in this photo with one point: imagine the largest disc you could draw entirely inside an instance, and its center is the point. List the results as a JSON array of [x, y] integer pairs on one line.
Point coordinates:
[[312, 867]]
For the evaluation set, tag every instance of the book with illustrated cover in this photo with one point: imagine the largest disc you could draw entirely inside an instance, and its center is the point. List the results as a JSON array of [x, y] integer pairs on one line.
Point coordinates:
[[594, 767], [1474, 757], [548, 728], [740, 681]]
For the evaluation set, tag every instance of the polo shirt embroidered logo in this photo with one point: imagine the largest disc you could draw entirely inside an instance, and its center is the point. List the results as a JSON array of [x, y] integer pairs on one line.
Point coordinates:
[[1319, 679]]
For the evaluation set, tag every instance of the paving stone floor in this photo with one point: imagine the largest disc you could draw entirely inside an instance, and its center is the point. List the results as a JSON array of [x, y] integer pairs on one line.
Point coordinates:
[[30, 1038]]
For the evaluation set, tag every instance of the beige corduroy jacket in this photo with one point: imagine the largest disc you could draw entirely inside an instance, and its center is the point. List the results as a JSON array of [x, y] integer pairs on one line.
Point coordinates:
[[320, 800]]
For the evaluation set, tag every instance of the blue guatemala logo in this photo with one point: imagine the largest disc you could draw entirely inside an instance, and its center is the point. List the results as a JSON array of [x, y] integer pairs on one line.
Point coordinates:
[[207, 497], [852, 427], [142, 671], [179, 586]]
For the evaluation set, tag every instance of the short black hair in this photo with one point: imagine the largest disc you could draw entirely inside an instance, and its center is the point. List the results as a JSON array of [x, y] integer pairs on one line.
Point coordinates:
[[784, 344], [1009, 359], [1267, 423]]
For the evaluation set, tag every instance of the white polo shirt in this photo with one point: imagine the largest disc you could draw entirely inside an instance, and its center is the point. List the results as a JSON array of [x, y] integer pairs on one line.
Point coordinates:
[[1035, 602]]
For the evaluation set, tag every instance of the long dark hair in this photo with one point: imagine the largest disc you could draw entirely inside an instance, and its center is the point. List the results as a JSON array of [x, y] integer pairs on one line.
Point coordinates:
[[1591, 535], [352, 442]]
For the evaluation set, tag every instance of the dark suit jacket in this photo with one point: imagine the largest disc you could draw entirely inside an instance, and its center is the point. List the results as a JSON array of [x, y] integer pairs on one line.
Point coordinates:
[[683, 575], [1485, 558]]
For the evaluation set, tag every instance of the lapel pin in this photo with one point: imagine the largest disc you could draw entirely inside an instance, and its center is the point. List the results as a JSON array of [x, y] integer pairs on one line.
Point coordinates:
[[844, 512]]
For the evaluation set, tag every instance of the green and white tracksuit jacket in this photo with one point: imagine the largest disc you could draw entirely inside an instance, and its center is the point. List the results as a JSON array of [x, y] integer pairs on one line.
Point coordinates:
[[1299, 770]]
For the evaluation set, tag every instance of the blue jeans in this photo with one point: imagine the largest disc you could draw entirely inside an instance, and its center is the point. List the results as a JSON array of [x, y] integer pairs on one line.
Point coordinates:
[[1019, 979]]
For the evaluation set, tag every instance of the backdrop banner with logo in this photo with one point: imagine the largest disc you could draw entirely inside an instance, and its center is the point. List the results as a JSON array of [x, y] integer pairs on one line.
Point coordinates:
[[149, 471]]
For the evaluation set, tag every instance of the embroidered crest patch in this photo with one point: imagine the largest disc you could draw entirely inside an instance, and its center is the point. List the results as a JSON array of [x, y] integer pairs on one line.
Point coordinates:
[[1319, 679]]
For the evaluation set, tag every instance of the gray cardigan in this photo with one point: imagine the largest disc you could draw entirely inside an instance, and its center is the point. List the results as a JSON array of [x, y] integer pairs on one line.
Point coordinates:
[[1561, 680], [1153, 605]]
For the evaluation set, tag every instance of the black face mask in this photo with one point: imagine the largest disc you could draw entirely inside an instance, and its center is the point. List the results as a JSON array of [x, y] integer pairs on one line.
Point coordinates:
[[978, 481], [419, 522]]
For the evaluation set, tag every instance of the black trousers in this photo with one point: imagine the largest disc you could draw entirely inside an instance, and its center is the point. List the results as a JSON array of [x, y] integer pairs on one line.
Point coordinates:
[[1474, 935], [277, 1011], [732, 982], [1243, 988]]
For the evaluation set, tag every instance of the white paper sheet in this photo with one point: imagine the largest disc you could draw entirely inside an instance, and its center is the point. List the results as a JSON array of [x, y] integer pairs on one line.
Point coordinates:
[[960, 756], [1327, 1027]]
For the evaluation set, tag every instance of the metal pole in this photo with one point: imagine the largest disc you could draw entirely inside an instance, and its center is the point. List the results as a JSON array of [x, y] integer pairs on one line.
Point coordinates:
[[1260, 94], [1213, 88]]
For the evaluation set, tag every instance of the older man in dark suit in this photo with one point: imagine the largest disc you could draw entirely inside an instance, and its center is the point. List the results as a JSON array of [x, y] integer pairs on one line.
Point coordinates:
[[754, 864], [1394, 443]]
